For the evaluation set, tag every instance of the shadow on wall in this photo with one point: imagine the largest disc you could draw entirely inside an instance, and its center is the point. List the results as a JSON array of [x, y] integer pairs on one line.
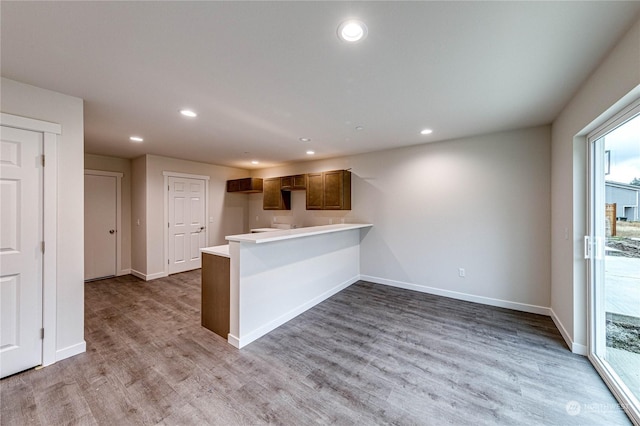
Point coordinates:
[[374, 247]]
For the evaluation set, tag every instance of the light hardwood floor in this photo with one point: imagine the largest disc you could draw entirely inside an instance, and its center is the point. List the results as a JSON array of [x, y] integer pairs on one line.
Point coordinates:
[[369, 355]]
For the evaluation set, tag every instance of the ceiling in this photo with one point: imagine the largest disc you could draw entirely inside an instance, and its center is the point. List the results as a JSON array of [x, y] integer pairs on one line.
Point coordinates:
[[262, 75]]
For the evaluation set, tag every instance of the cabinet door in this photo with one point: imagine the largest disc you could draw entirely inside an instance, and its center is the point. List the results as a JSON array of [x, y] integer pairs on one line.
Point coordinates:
[[273, 197], [299, 181], [286, 183], [333, 190], [314, 191], [233, 185], [246, 185]]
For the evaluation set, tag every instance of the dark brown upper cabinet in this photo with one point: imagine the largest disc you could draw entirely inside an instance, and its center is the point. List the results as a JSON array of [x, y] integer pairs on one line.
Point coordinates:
[[315, 191], [329, 190], [294, 183], [273, 196], [246, 185]]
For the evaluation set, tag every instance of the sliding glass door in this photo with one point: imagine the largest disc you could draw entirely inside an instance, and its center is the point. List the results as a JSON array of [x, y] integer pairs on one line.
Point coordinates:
[[613, 250]]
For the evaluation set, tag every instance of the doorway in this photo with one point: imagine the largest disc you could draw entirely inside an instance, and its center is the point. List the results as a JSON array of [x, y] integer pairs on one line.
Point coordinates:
[[21, 251], [102, 227], [612, 248], [186, 214]]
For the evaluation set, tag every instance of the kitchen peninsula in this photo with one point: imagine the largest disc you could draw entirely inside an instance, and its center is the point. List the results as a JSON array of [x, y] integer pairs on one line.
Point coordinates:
[[275, 276]]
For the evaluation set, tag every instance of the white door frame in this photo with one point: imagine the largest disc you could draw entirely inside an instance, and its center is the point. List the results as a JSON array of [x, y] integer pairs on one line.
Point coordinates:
[[118, 176], [595, 331], [51, 132], [166, 210]]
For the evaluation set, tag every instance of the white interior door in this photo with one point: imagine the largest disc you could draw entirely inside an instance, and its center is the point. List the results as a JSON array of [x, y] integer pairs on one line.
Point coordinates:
[[21, 230], [100, 210], [186, 223]]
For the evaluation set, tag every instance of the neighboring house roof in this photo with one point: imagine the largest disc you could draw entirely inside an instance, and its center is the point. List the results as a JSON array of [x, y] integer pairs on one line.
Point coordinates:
[[623, 185]]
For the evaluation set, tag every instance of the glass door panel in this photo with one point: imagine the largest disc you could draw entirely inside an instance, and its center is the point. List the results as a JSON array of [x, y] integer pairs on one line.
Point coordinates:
[[613, 249]]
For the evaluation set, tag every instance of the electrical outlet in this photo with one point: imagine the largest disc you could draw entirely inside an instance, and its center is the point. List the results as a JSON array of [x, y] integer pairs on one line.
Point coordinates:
[[462, 273]]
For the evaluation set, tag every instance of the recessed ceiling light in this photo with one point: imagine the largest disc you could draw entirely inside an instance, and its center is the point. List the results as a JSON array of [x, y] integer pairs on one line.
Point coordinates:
[[426, 132], [255, 162], [188, 113], [135, 139], [310, 152], [352, 31], [359, 128], [305, 139]]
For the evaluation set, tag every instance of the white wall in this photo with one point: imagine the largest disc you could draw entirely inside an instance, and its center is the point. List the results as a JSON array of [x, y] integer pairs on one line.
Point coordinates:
[[481, 203], [611, 87], [139, 215], [228, 211], [122, 165], [32, 102]]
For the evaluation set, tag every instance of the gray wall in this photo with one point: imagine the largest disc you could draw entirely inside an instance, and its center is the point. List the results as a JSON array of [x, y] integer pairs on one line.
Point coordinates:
[[33, 102], [609, 89], [480, 203]]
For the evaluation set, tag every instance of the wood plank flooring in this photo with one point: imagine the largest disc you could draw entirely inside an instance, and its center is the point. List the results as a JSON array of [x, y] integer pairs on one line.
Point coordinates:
[[369, 355]]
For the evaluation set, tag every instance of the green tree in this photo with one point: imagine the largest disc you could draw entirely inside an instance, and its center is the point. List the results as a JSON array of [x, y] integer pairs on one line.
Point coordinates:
[[635, 181]]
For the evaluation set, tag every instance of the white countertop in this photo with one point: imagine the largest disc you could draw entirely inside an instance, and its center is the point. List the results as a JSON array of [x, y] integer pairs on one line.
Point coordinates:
[[254, 230], [222, 250], [286, 234]]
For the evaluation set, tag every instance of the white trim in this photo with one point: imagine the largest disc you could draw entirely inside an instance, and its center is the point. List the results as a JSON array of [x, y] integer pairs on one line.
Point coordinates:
[[595, 276], [617, 120], [103, 173], [148, 277], [186, 175], [29, 124], [628, 402], [51, 132], [70, 351], [272, 325], [523, 307], [576, 348], [233, 341], [165, 239], [50, 267], [124, 272], [118, 176]]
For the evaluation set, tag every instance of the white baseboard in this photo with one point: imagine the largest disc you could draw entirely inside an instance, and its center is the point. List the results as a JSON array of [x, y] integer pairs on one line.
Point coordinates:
[[240, 342], [576, 348], [70, 351], [233, 340], [148, 277], [124, 272], [534, 309]]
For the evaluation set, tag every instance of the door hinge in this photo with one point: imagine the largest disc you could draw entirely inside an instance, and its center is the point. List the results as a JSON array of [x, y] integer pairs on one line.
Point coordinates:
[[168, 225], [42, 246], [168, 262], [42, 333], [42, 158], [168, 188]]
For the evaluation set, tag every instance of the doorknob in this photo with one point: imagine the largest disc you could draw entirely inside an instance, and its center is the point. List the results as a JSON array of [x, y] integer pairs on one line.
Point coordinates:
[[112, 231]]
